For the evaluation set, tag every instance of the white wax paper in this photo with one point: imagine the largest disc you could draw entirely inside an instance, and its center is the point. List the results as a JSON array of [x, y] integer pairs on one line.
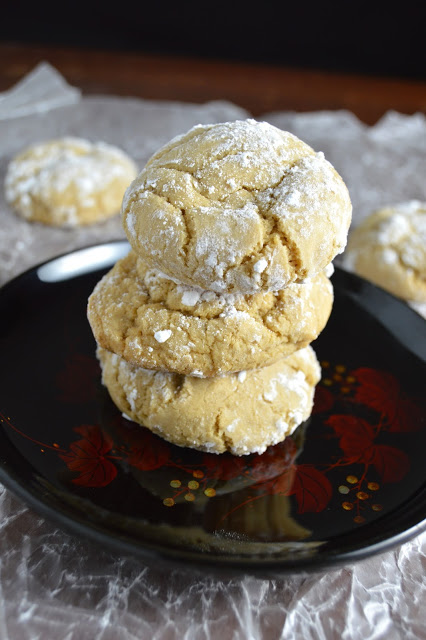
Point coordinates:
[[54, 586]]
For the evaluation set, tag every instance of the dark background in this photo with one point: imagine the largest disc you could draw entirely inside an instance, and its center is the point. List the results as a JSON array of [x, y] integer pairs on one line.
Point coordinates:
[[376, 38]]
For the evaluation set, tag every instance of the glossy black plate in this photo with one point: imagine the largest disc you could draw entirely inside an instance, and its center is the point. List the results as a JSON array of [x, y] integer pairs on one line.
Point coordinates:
[[350, 482]]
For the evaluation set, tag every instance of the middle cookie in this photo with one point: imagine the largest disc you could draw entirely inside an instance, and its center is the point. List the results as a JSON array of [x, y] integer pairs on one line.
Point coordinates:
[[154, 323]]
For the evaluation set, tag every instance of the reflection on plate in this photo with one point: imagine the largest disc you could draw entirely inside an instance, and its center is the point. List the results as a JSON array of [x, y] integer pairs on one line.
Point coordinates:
[[348, 483]]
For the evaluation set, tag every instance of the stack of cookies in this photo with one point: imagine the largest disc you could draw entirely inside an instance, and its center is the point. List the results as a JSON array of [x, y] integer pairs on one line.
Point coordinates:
[[203, 329]]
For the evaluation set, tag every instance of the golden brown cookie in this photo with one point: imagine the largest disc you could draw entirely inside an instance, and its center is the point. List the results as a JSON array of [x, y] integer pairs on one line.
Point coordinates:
[[154, 323], [389, 248], [68, 181], [237, 207], [241, 412]]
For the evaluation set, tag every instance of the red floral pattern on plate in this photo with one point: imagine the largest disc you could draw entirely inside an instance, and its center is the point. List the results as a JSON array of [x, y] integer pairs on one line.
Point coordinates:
[[89, 457], [376, 395]]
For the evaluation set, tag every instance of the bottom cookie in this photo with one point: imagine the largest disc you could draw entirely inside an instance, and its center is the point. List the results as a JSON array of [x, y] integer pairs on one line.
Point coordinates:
[[241, 413]]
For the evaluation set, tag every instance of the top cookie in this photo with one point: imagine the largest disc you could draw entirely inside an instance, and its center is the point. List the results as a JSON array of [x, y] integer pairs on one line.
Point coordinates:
[[237, 207], [68, 181], [389, 248]]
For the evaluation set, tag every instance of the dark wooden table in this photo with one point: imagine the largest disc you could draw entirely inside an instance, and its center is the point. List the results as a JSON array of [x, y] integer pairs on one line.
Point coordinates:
[[258, 88]]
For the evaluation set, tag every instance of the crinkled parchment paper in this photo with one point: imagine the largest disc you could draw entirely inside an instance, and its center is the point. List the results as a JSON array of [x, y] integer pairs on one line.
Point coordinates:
[[54, 586]]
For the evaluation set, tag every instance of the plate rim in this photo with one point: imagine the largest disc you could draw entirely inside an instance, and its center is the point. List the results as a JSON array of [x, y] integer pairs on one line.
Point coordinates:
[[185, 559]]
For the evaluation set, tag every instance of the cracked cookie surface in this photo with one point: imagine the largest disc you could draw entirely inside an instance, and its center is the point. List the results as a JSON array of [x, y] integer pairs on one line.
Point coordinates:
[[68, 181], [144, 317], [389, 249], [237, 207], [241, 413]]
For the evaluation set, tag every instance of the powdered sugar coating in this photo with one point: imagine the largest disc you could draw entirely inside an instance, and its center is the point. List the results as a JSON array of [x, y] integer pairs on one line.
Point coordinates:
[[237, 207], [68, 181], [163, 335]]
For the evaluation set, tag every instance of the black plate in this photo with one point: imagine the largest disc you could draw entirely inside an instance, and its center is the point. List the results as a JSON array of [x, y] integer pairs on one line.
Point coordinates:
[[350, 482]]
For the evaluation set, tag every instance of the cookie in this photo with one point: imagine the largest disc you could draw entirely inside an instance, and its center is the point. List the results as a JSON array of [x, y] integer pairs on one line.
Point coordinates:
[[240, 413], [389, 249], [237, 207], [68, 181], [154, 323]]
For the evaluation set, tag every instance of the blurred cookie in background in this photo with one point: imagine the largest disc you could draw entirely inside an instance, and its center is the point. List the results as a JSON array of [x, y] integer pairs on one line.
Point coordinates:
[[389, 249], [68, 181]]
